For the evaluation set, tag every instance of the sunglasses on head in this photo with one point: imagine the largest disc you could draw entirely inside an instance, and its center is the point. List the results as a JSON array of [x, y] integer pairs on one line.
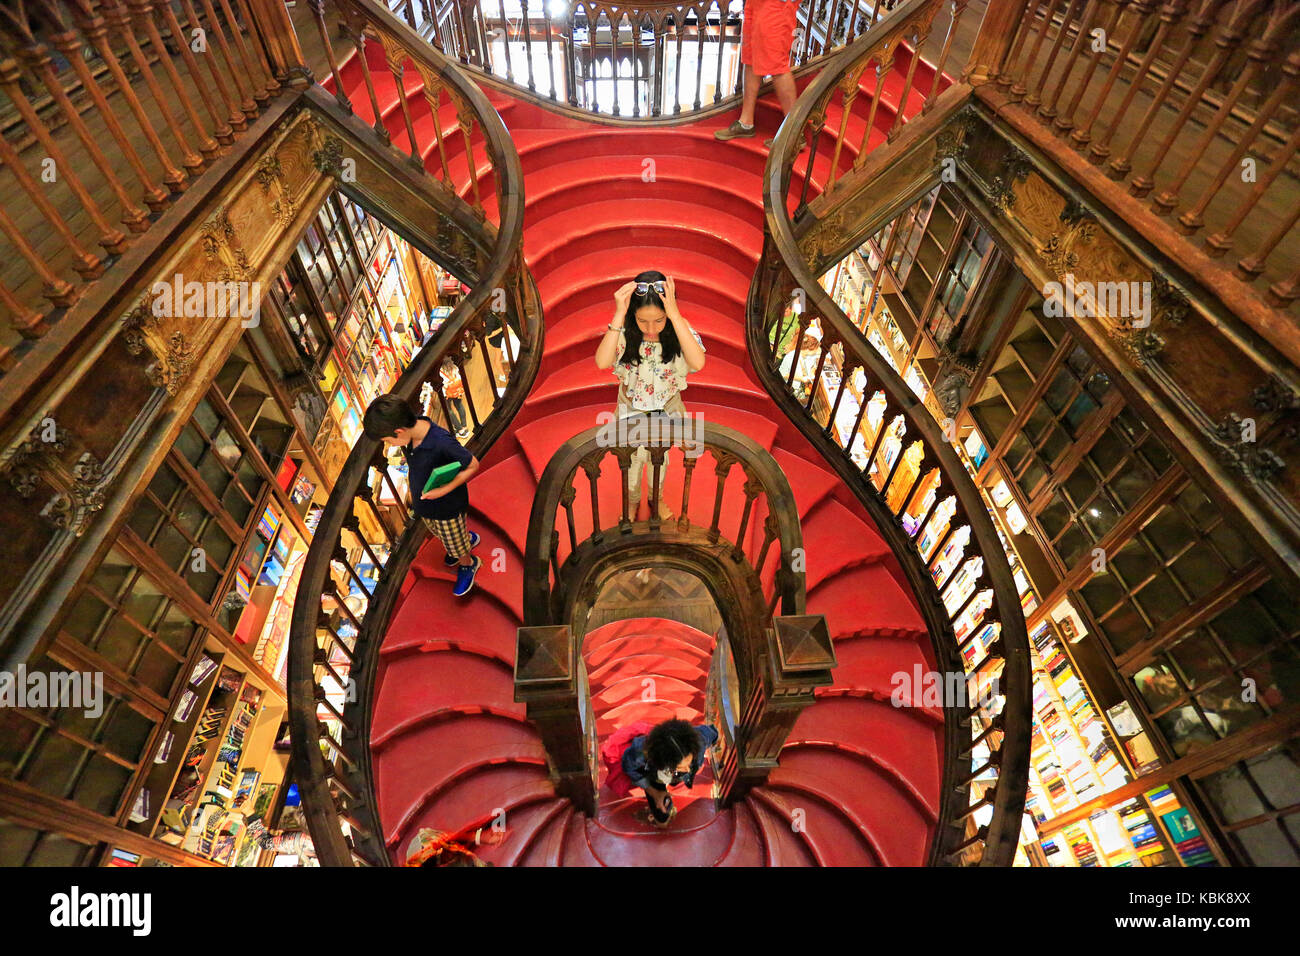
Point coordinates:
[[643, 287]]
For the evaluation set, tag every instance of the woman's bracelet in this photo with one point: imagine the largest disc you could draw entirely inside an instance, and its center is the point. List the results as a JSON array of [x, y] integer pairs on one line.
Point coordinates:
[[613, 328]]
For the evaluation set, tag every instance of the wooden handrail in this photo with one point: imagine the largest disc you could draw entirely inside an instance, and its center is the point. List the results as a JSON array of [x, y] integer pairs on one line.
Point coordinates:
[[655, 46], [502, 291], [920, 509]]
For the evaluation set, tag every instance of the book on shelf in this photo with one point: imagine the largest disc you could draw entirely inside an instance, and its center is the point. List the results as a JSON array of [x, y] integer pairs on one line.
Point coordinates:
[[185, 706], [202, 669]]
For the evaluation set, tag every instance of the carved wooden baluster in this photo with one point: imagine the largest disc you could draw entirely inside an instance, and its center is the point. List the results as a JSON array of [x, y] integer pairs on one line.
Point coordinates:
[[805, 319], [396, 60], [1227, 38], [119, 19], [918, 39], [110, 237], [526, 24], [95, 30], [827, 341], [958, 8], [886, 424], [1035, 97], [769, 535], [635, 23], [847, 444], [358, 38], [591, 468], [24, 320], [1066, 120], [555, 554], [929, 512], [1024, 28], [1258, 55], [318, 9], [442, 399], [36, 59], [688, 465], [1284, 293], [505, 39], [259, 45], [143, 11], [1020, 88], [571, 50], [69, 45], [487, 367], [885, 488], [466, 130], [366, 493], [882, 69], [1283, 92], [1081, 40], [657, 454], [679, 34], [221, 128], [261, 96], [848, 89], [433, 96], [723, 468], [88, 266], [722, 46], [699, 62], [567, 496], [466, 349], [1220, 242], [550, 51], [753, 488], [849, 371], [624, 458], [1141, 11]]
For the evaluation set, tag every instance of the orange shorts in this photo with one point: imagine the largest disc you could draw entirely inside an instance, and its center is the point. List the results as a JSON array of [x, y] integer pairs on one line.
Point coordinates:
[[767, 34]]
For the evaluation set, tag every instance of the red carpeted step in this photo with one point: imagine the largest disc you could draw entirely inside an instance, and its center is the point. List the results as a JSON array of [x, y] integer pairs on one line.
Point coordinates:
[[676, 631], [640, 648], [474, 799], [896, 830], [641, 667], [698, 835], [413, 768], [503, 495], [489, 631], [419, 684], [653, 687], [869, 594], [521, 822], [576, 851], [834, 838], [836, 540], [548, 842], [902, 741], [500, 579], [888, 667], [782, 844], [746, 847]]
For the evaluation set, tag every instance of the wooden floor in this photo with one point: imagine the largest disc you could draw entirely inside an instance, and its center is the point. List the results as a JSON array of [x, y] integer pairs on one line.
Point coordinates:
[[28, 220]]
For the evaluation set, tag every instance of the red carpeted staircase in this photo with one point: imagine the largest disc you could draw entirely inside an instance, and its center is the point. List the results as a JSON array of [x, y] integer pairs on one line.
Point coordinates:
[[859, 780]]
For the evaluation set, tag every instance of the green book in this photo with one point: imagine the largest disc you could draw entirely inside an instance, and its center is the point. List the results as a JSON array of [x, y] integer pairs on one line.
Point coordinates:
[[441, 475]]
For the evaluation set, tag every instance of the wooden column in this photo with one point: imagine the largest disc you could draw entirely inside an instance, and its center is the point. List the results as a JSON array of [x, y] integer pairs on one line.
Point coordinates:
[[1001, 20], [551, 679], [799, 658], [282, 43]]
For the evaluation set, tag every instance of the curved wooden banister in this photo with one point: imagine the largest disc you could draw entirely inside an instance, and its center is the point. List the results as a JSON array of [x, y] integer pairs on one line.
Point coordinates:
[[757, 583], [933, 504], [333, 772]]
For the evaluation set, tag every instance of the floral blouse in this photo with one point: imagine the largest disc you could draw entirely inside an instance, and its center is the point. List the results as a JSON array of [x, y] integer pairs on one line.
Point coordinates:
[[651, 384]]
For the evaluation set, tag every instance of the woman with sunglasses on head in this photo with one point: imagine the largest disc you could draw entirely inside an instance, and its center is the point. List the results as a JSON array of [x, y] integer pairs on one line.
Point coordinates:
[[651, 349]]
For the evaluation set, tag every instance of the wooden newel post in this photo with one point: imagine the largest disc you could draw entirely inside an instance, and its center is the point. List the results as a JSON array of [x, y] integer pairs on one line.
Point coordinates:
[[551, 679], [798, 658], [1002, 18], [282, 43]]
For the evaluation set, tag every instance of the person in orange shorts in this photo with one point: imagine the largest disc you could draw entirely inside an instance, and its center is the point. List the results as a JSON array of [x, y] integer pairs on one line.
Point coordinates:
[[766, 36]]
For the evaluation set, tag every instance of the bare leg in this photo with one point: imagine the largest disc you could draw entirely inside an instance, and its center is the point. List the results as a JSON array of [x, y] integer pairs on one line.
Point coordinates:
[[749, 99], [785, 91]]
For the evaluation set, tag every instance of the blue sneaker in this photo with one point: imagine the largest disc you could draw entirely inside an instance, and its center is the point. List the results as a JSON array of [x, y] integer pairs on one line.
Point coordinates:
[[451, 562], [465, 578]]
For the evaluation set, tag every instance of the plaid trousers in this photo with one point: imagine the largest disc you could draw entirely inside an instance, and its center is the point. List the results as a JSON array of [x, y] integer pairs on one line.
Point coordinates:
[[452, 532]]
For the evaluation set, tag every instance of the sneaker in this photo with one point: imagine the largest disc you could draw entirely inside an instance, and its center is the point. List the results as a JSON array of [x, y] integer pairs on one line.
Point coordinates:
[[734, 131], [451, 562], [465, 578]]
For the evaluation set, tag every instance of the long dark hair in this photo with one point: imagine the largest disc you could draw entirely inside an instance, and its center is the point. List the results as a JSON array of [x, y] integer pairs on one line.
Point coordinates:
[[670, 347]]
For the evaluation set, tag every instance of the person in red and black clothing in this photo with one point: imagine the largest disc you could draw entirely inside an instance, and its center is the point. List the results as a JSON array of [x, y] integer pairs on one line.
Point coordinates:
[[444, 509]]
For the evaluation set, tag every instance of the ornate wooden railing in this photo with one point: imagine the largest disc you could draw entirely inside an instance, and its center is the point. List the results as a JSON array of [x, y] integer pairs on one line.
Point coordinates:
[[1190, 106], [645, 59], [339, 614], [892, 453], [749, 555], [111, 111]]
